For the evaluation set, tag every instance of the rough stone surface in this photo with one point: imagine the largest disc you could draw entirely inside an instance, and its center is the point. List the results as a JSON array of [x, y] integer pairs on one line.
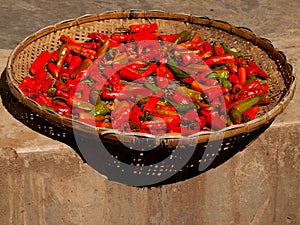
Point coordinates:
[[44, 182]]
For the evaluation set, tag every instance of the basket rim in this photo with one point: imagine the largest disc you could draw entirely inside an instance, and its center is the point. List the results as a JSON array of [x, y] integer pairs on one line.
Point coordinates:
[[202, 136]]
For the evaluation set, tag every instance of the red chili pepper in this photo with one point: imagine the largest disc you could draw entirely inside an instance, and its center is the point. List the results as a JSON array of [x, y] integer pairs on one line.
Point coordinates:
[[54, 56], [144, 46], [134, 28], [135, 117], [151, 104], [64, 51], [68, 40], [197, 86], [220, 59], [75, 48], [30, 85], [88, 53], [168, 73], [69, 58], [218, 49], [213, 93], [144, 33], [52, 68], [250, 113], [152, 68], [74, 64], [258, 70], [114, 78], [82, 71], [129, 74], [40, 76], [63, 110], [241, 107], [189, 58], [90, 45], [236, 88], [136, 65], [98, 36], [117, 87], [43, 100], [264, 100], [233, 78], [207, 47], [46, 84], [265, 88], [167, 37], [214, 121], [232, 68], [119, 38], [161, 78], [40, 62], [251, 85], [242, 75], [248, 94], [189, 45]]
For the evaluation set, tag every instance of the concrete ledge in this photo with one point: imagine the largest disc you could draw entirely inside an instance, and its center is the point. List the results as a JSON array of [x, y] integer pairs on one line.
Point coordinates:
[[43, 181]]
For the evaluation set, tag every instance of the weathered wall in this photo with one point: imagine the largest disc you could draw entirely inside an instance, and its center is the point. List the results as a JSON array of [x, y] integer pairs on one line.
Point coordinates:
[[257, 186]]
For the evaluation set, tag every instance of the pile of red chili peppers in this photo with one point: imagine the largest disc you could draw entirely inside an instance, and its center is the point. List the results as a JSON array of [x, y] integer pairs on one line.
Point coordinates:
[[146, 81]]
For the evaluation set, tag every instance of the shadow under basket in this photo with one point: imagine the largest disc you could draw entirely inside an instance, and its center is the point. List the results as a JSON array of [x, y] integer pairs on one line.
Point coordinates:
[[140, 159]]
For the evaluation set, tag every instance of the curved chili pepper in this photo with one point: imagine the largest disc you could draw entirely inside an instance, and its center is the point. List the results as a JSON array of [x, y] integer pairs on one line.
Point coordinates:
[[167, 37], [88, 53], [207, 47], [218, 49], [183, 36], [242, 75], [40, 76], [180, 74], [43, 100], [81, 71], [255, 84], [238, 109], [258, 70], [135, 28], [195, 95], [98, 36], [120, 38], [54, 56], [74, 64], [143, 33], [214, 121], [264, 100], [227, 50], [250, 113], [64, 51], [46, 84], [129, 74], [152, 68], [161, 77], [151, 104], [220, 59], [69, 40], [40, 62]]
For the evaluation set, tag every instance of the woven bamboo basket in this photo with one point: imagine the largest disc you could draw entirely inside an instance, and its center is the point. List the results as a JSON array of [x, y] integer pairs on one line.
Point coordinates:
[[121, 145]]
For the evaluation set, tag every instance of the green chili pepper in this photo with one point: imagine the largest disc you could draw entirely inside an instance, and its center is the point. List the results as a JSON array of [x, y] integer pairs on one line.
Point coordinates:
[[196, 95], [100, 109], [176, 71], [152, 87], [227, 50], [225, 83], [241, 107], [218, 75], [183, 36]]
